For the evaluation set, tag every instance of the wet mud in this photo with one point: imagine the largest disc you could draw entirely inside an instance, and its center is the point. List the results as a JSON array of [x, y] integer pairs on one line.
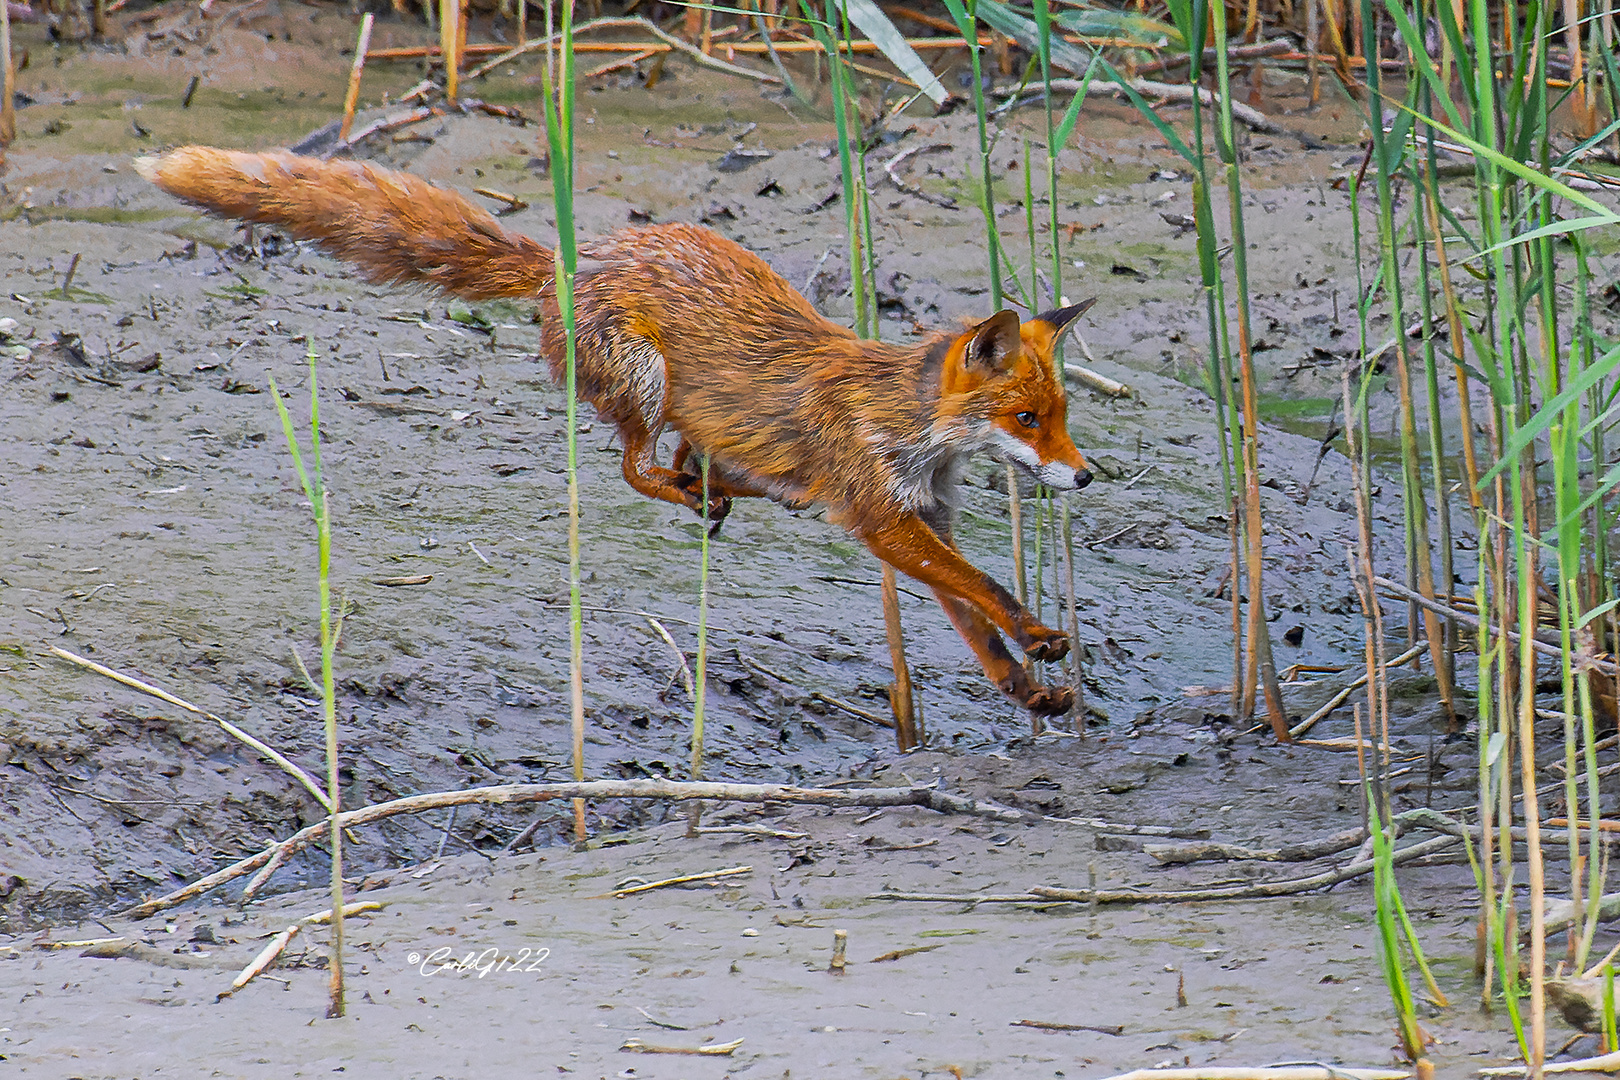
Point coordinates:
[[153, 522]]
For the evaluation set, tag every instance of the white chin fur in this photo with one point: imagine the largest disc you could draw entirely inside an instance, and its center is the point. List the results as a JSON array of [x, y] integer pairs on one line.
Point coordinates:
[[1057, 475], [1053, 474]]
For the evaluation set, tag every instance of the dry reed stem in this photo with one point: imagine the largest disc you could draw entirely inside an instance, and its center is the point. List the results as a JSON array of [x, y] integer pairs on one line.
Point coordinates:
[[1339, 698], [1607, 667], [900, 696], [321, 918], [1098, 382], [1606, 1063], [706, 875], [512, 201], [504, 794], [1178, 92], [450, 45], [713, 1050], [230, 729], [266, 957], [352, 97], [1053, 1025], [1177, 832], [686, 669], [1265, 1072], [901, 954], [1256, 891], [632, 22], [8, 83]]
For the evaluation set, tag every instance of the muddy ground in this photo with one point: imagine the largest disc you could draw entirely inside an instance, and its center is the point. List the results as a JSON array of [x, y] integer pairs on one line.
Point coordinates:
[[152, 521]]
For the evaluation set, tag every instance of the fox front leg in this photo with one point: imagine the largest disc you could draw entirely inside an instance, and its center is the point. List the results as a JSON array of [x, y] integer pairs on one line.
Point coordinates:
[[1008, 675], [910, 546]]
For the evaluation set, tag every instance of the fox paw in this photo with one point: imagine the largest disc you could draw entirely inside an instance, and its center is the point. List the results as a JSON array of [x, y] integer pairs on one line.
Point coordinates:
[[1045, 644], [719, 505], [1050, 700]]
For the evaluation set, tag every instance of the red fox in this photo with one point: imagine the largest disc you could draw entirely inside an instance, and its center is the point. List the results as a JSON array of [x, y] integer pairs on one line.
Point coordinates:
[[681, 329]]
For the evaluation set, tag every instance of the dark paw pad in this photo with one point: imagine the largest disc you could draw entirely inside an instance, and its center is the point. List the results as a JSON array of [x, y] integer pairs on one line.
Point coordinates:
[[1050, 700]]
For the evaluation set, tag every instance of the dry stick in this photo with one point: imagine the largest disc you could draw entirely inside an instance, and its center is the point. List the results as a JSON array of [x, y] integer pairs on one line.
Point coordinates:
[[1339, 698], [631, 22], [503, 794], [712, 1050], [915, 192], [707, 875], [1251, 117], [816, 695], [1607, 1063], [1098, 382], [1607, 667], [1179, 854], [1052, 1025], [1258, 890], [1178, 832], [1266, 1072], [385, 124], [686, 669], [262, 962], [230, 729], [352, 98], [900, 699]]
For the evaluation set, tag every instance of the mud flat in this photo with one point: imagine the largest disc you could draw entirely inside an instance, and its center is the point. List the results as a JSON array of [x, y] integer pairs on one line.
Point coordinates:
[[153, 523]]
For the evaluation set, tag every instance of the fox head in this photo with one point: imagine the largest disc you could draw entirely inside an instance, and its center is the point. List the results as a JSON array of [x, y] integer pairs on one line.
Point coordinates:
[[999, 376]]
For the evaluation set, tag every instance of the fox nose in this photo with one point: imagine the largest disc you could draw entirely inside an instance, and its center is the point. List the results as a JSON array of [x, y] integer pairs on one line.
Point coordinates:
[[1082, 477]]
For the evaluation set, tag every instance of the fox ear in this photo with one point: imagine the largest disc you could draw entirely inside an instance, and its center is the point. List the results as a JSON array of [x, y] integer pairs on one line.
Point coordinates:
[[994, 344], [1059, 319]]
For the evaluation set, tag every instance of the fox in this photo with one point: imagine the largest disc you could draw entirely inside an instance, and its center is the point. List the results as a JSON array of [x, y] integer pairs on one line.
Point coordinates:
[[681, 330]]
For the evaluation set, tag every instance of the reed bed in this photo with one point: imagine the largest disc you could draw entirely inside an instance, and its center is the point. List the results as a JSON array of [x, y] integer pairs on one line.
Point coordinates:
[[1505, 390]]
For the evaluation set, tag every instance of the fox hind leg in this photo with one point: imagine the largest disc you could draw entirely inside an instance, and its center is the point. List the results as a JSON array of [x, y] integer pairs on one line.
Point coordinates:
[[642, 472]]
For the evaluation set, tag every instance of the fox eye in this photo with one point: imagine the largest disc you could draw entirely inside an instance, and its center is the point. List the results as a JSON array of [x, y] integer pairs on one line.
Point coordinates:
[[1028, 419]]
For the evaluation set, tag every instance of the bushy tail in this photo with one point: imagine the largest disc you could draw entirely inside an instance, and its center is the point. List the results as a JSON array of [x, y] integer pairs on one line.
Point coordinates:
[[395, 227]]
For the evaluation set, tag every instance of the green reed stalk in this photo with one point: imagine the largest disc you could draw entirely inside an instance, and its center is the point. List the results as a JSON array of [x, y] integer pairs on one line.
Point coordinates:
[[701, 680], [1609, 1034], [1192, 21], [314, 484], [1387, 905], [863, 285], [1262, 671], [966, 24], [559, 109]]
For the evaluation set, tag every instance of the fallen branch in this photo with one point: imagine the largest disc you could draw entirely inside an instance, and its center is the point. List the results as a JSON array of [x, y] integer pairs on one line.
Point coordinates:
[[631, 22], [1235, 53], [1607, 1063], [1178, 832], [1248, 115], [1266, 1072], [1258, 890], [229, 728], [1401, 592], [1305, 851], [707, 875], [504, 794]]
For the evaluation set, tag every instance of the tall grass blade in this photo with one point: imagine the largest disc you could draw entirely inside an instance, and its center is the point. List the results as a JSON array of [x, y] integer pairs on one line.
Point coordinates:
[[559, 113], [314, 486]]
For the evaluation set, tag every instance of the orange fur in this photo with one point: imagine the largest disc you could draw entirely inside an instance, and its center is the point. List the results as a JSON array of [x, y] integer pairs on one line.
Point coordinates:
[[680, 329]]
